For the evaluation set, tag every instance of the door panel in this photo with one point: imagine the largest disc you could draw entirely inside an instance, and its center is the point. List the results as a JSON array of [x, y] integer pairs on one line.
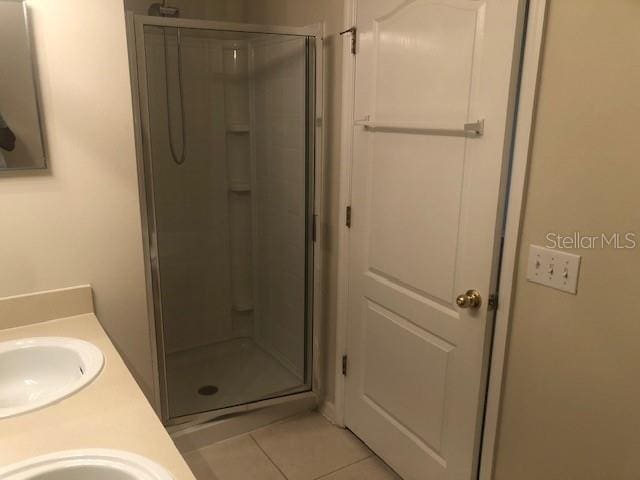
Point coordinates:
[[426, 202], [422, 214], [426, 31], [401, 401]]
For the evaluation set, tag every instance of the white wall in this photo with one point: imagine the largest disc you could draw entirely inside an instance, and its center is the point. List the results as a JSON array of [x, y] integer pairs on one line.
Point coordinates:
[[79, 222]]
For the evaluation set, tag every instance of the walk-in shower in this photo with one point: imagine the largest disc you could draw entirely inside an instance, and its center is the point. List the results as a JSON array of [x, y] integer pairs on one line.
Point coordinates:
[[228, 162]]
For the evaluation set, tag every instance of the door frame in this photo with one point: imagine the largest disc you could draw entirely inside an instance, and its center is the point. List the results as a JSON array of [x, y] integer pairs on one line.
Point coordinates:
[[532, 33], [134, 29]]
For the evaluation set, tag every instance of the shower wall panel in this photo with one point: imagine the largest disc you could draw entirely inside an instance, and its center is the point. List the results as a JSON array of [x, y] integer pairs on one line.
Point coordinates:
[[279, 160], [191, 200]]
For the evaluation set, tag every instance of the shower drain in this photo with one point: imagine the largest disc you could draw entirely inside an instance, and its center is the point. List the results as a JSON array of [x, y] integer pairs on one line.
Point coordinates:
[[208, 390]]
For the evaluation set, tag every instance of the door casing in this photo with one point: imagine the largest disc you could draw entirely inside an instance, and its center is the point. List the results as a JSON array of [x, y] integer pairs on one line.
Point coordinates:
[[531, 32]]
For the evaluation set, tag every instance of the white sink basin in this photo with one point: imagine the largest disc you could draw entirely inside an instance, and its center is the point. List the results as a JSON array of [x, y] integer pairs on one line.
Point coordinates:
[[35, 372], [92, 464]]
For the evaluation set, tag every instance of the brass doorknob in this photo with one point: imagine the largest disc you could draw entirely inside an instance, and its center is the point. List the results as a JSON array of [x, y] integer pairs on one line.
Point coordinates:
[[471, 299]]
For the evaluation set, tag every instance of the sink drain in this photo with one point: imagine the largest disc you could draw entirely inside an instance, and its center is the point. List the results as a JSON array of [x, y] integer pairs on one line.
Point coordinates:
[[208, 390]]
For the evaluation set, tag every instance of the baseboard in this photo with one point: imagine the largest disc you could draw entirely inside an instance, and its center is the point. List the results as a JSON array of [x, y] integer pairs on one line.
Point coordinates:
[[328, 411]]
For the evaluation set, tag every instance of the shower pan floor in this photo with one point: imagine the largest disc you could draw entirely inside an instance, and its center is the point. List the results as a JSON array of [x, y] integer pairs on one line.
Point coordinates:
[[225, 374]]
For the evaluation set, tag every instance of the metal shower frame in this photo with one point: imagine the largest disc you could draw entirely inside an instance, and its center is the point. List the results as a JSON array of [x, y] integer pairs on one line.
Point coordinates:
[[137, 62]]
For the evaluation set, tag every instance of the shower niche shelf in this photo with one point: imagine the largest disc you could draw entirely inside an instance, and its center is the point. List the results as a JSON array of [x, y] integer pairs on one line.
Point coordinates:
[[238, 128], [242, 308], [238, 142], [240, 187]]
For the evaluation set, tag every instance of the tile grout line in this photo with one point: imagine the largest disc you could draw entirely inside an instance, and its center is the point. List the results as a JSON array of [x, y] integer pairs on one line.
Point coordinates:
[[324, 475], [293, 417], [267, 455], [281, 421]]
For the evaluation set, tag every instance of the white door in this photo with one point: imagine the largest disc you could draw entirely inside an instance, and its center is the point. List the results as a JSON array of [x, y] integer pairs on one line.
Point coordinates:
[[426, 219]]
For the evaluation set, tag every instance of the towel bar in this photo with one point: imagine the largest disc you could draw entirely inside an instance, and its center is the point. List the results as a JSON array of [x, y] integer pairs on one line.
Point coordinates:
[[472, 130]]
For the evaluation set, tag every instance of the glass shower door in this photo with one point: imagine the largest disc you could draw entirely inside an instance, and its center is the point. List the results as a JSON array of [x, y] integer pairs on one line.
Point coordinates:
[[228, 122]]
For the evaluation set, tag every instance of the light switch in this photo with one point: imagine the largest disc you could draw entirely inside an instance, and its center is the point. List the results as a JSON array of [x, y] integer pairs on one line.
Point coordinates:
[[553, 268]]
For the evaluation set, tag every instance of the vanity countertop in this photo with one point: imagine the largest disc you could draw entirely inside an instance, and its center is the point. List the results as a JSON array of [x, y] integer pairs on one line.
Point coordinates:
[[111, 412]]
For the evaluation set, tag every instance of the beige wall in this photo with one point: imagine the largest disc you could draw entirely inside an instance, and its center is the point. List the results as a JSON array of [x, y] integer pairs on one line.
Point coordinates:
[[295, 12], [572, 396], [225, 10], [79, 222]]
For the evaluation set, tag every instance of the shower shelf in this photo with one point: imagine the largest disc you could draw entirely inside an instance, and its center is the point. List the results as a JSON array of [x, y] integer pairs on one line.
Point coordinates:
[[242, 308], [240, 187], [238, 128]]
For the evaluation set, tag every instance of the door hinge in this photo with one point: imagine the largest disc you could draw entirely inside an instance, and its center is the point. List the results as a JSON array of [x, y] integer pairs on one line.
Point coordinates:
[[344, 365], [314, 228], [353, 31], [493, 302], [348, 220]]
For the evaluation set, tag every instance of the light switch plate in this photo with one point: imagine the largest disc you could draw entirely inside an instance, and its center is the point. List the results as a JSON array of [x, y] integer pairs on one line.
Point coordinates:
[[554, 268]]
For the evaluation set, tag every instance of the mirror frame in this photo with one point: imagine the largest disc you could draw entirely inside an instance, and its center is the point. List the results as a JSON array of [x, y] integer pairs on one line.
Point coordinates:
[[44, 164]]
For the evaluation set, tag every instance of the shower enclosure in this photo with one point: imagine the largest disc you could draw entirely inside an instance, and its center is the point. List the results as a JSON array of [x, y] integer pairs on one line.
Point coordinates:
[[227, 135]]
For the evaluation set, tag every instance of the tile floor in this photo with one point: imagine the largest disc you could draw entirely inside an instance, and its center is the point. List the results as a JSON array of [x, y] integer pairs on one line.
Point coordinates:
[[306, 447]]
